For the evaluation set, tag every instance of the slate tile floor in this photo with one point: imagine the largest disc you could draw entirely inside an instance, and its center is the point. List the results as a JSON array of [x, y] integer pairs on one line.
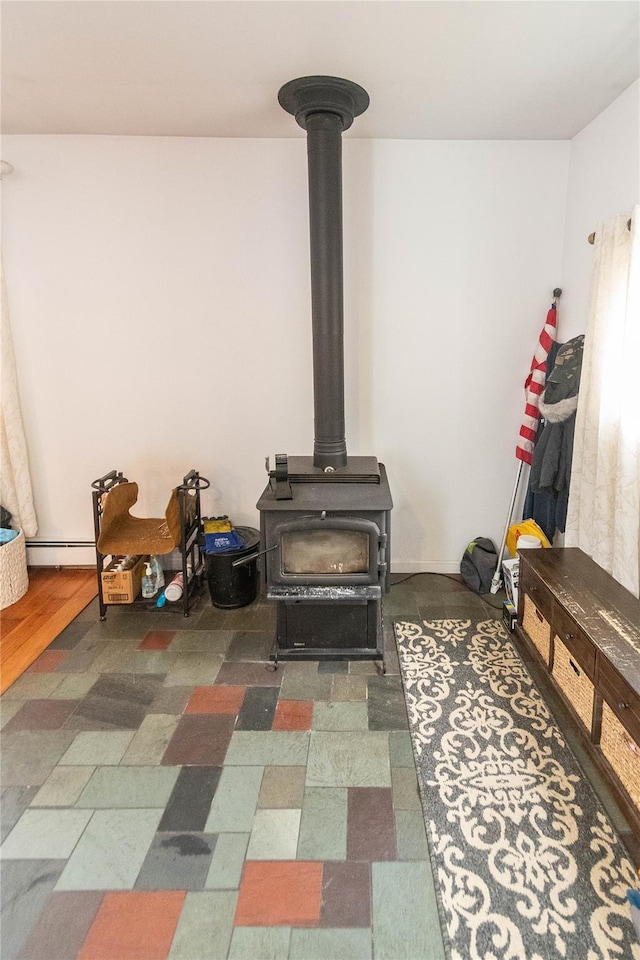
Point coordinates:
[[167, 794]]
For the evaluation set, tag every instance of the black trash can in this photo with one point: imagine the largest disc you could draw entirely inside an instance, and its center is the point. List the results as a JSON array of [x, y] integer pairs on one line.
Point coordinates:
[[231, 586]]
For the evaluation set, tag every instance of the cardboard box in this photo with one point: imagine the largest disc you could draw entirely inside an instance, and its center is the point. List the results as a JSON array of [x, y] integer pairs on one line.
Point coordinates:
[[122, 586], [511, 575], [509, 615]]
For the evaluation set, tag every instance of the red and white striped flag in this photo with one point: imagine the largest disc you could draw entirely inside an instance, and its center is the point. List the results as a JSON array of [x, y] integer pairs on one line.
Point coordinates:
[[534, 387]]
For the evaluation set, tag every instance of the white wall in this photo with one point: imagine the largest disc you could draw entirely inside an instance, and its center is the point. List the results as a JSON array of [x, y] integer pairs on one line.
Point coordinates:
[[159, 295], [604, 180]]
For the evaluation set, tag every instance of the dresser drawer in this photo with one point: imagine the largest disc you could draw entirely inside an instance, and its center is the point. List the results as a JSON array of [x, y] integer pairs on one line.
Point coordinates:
[[537, 628], [574, 683], [624, 701], [576, 641], [533, 587], [622, 752]]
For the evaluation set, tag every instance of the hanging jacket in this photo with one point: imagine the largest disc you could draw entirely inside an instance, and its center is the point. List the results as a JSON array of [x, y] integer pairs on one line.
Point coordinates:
[[551, 467]]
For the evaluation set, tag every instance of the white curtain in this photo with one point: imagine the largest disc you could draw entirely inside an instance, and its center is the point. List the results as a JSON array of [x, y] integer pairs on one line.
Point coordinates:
[[604, 501], [15, 481]]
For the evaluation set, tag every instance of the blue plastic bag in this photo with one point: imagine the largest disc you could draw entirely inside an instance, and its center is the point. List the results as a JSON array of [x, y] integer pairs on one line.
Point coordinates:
[[222, 542]]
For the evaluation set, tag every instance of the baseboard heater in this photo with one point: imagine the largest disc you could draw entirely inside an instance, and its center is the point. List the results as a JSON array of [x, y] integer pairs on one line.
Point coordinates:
[[60, 543]]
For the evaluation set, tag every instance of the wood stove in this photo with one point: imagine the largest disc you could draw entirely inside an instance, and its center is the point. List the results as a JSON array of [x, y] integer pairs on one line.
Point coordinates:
[[326, 557], [325, 520]]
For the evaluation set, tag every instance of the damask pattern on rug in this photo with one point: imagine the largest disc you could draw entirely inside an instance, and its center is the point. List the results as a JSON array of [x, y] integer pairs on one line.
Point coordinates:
[[527, 865]]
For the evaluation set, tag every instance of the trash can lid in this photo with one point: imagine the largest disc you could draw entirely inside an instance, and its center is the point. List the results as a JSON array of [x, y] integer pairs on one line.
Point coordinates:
[[250, 535]]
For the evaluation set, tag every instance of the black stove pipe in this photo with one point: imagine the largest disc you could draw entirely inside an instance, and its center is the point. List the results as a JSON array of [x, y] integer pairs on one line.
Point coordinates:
[[324, 155], [325, 107]]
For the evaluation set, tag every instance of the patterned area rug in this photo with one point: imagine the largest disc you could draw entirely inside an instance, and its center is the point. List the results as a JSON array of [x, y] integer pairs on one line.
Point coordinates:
[[526, 864]]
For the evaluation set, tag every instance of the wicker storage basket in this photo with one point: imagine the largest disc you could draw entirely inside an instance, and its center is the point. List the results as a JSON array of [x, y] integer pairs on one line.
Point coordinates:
[[573, 681], [14, 579], [622, 752], [537, 628]]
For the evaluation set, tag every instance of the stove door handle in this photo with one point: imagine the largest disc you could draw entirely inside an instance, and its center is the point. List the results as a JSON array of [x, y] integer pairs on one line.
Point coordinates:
[[240, 562]]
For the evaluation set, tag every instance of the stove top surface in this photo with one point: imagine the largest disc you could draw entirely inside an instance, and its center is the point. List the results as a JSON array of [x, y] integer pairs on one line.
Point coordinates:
[[356, 470], [353, 487]]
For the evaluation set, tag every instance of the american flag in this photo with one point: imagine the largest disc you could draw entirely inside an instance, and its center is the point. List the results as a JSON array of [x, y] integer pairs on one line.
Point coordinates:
[[534, 387]]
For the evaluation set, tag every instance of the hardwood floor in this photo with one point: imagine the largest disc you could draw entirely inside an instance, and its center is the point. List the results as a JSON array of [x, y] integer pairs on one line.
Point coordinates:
[[54, 598]]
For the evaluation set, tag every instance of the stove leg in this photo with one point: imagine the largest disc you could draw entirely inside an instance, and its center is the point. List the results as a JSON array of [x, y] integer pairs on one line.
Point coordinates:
[[380, 640], [275, 655]]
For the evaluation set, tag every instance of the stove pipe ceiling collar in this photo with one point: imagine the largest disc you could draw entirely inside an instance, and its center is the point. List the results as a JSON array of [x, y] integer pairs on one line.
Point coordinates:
[[325, 107]]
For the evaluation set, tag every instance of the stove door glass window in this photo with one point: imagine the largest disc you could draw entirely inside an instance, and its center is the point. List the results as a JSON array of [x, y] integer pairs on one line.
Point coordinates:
[[325, 552]]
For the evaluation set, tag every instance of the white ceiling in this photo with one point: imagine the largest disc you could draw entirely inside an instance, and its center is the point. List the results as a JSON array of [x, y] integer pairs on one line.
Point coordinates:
[[434, 69]]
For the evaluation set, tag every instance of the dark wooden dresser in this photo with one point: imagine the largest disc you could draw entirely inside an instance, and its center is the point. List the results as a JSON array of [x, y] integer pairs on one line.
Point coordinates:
[[585, 628]]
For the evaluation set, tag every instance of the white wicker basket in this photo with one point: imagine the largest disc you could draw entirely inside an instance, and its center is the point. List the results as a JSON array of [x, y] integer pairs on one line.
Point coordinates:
[[14, 579]]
